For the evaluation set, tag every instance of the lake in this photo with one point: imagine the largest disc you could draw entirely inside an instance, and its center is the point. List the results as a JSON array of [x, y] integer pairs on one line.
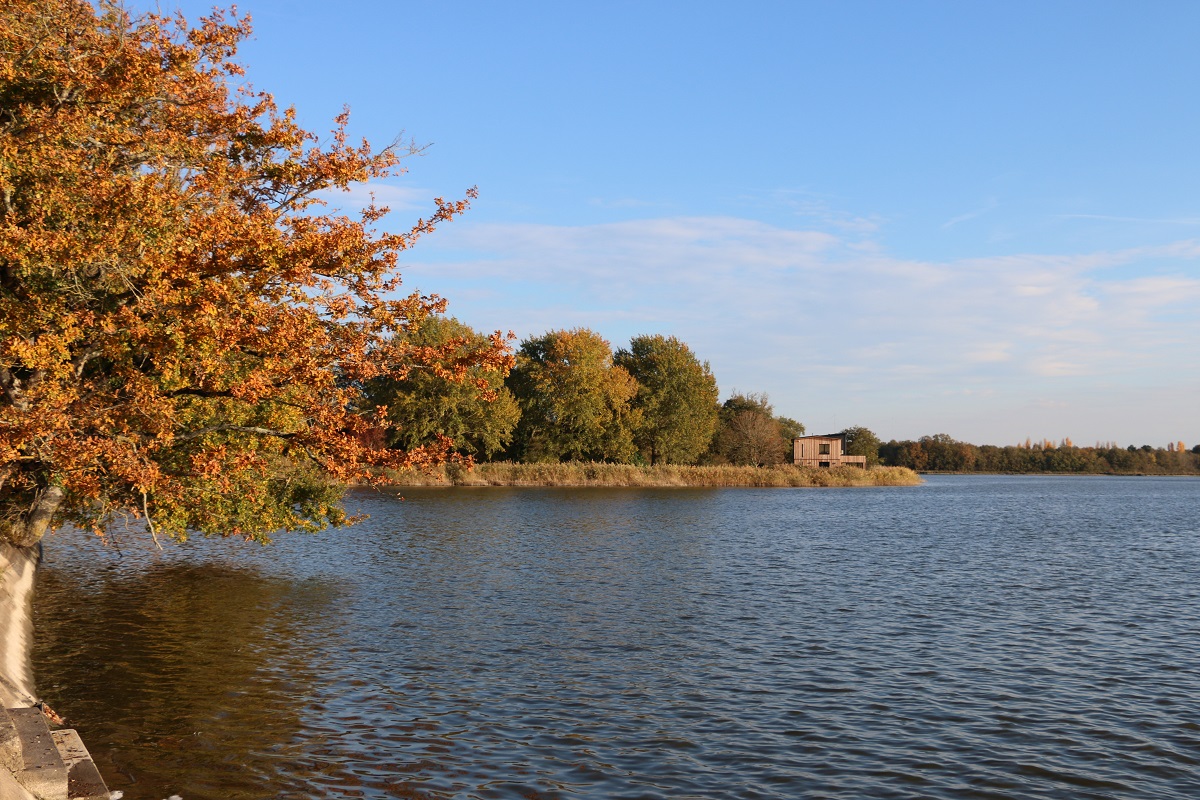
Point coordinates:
[[974, 637]]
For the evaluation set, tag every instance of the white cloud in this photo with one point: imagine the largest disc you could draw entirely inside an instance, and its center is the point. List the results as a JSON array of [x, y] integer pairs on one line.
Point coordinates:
[[815, 209], [991, 353], [1051, 367], [825, 325], [1033, 291]]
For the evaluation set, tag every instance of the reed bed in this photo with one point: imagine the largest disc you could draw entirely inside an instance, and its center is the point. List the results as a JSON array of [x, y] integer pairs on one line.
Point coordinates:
[[507, 473]]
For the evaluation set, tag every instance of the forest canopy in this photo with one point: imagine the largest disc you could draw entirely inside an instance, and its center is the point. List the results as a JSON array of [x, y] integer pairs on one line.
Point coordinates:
[[185, 332]]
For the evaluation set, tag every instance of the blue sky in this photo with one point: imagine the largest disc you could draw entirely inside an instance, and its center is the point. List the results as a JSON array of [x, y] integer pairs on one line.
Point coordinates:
[[978, 219]]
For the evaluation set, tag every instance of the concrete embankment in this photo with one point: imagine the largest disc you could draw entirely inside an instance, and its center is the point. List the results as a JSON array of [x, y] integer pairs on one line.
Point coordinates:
[[36, 763]]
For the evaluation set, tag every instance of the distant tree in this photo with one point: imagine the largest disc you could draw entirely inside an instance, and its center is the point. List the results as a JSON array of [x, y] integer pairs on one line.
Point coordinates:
[[945, 454], [575, 403], [942, 453], [914, 455], [468, 404], [749, 432], [862, 442], [751, 439], [677, 398]]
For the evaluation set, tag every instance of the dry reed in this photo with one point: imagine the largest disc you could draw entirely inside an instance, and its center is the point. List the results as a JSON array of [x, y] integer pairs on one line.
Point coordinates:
[[507, 473]]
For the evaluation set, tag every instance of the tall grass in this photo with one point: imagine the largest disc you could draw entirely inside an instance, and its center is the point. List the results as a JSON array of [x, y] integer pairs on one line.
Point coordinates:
[[575, 473]]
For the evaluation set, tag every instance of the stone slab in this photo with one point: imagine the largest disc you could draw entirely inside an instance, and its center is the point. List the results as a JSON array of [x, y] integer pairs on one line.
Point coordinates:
[[43, 771], [83, 778]]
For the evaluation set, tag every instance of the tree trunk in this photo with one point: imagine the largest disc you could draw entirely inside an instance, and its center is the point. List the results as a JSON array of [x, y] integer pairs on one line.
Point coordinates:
[[16, 625], [28, 528]]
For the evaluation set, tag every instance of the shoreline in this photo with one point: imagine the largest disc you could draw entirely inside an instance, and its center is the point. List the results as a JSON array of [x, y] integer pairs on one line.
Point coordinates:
[[593, 474]]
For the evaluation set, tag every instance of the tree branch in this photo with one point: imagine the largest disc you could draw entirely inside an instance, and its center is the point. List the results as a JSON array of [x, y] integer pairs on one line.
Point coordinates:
[[199, 392], [236, 429]]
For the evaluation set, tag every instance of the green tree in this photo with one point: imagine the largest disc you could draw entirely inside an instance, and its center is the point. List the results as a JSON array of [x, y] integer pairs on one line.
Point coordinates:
[[789, 430], [905, 453], [462, 399], [861, 441], [677, 398], [575, 403]]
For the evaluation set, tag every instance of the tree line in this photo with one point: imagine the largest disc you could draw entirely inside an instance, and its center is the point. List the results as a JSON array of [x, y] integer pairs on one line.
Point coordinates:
[[942, 453], [570, 397]]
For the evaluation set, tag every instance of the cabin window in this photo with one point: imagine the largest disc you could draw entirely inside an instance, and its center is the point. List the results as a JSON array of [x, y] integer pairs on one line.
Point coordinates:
[[823, 449]]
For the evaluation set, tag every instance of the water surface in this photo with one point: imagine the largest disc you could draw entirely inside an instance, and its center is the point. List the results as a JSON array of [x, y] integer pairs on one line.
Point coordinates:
[[975, 637]]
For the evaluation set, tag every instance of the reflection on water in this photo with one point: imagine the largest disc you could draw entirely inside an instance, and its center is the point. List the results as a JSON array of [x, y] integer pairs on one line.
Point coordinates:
[[176, 665], [974, 637]]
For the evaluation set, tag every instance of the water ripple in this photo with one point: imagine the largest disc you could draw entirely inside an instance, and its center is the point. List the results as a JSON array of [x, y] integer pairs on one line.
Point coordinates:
[[972, 638]]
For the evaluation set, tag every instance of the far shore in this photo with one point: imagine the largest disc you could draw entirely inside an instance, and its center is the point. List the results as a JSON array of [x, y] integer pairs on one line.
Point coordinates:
[[581, 474]]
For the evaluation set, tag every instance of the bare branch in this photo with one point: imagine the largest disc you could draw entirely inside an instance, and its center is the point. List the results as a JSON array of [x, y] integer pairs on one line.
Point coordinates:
[[150, 522]]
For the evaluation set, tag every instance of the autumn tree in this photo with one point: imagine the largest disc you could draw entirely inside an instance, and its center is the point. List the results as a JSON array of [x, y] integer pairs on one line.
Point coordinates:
[[750, 433], [677, 398], [576, 404], [184, 331], [862, 441], [474, 410], [946, 454]]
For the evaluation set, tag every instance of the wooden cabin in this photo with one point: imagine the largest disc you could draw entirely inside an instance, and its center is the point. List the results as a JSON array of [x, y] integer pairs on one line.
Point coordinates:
[[824, 451]]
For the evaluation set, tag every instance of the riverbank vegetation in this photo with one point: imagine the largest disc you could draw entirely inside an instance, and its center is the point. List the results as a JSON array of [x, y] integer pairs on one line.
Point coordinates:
[[576, 473], [573, 413], [570, 398], [941, 453]]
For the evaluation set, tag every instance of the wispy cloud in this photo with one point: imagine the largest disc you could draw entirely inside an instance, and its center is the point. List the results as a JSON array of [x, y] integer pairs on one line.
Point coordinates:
[[811, 208], [991, 205], [622, 202], [1139, 220]]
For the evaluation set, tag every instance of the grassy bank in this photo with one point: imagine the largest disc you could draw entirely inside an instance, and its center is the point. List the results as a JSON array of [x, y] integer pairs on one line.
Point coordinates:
[[506, 473]]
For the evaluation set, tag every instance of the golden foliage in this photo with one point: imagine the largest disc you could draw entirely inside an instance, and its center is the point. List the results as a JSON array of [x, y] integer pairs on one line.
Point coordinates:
[[183, 332]]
